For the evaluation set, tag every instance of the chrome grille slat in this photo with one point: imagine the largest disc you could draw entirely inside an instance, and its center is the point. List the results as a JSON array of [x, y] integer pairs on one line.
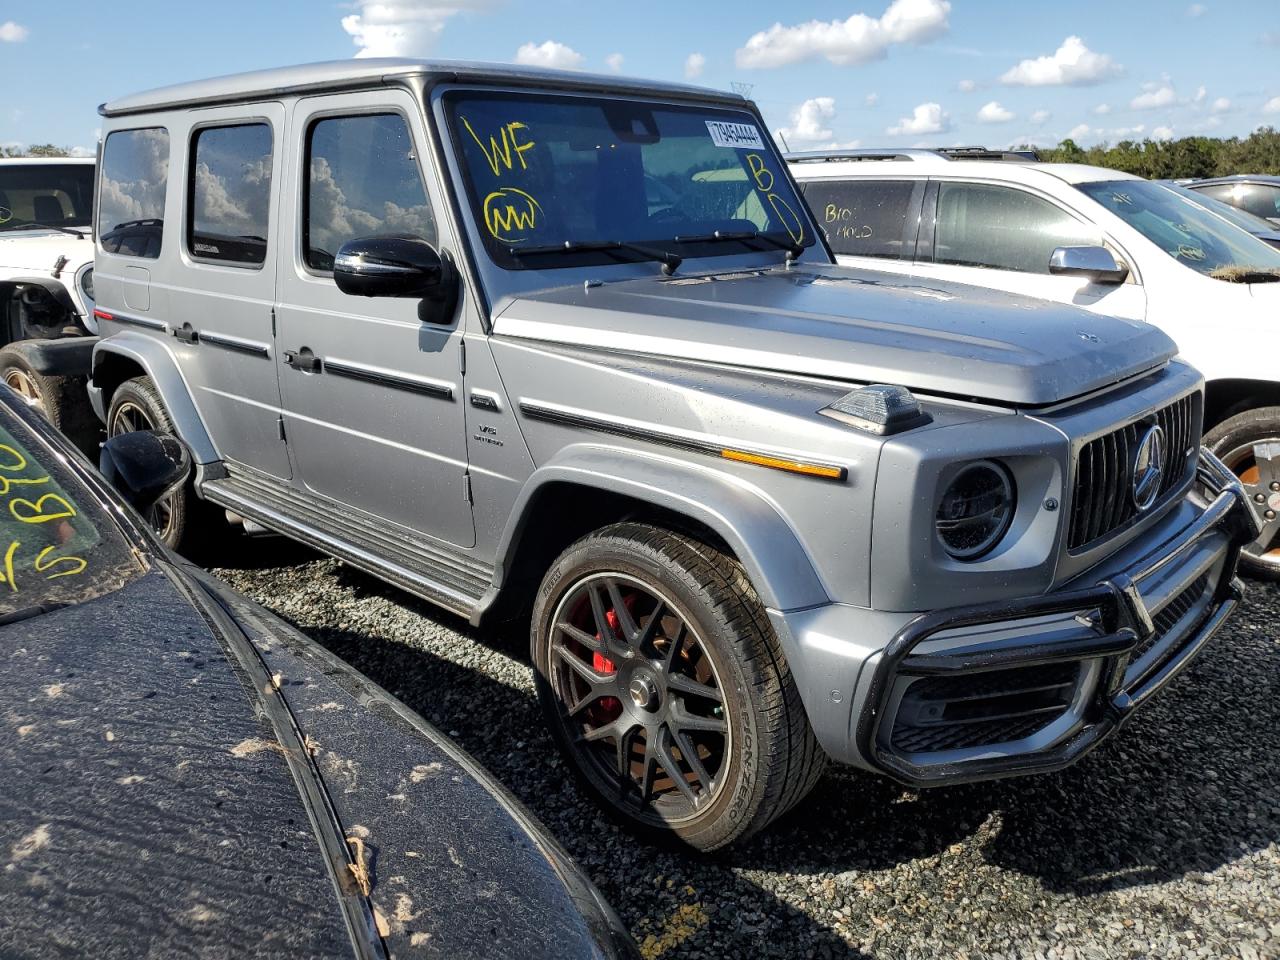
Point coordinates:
[[1101, 500]]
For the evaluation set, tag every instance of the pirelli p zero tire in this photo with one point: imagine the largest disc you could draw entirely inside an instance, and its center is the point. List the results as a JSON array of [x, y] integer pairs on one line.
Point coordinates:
[[666, 688], [136, 405], [1249, 444], [62, 400]]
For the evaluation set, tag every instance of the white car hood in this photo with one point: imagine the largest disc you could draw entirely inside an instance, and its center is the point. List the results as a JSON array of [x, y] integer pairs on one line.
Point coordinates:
[[36, 251]]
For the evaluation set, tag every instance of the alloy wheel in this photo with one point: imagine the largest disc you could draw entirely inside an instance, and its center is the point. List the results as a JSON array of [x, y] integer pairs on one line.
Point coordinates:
[[1257, 464], [28, 391]]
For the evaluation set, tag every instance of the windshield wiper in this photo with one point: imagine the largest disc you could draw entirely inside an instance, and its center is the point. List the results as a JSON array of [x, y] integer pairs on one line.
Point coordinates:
[[30, 224], [670, 261], [26, 613], [792, 248]]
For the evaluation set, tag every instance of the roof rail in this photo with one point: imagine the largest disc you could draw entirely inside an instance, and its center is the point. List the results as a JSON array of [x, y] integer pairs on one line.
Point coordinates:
[[831, 156], [983, 153]]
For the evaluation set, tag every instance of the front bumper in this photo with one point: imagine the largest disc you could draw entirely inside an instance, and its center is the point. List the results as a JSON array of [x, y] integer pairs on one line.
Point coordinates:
[[1031, 685]]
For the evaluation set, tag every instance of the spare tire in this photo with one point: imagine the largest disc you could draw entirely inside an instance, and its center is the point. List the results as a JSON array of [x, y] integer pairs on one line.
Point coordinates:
[[63, 400]]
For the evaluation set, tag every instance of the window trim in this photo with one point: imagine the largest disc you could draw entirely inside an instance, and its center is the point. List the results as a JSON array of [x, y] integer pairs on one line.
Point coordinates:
[[98, 248], [190, 187], [310, 121], [917, 203]]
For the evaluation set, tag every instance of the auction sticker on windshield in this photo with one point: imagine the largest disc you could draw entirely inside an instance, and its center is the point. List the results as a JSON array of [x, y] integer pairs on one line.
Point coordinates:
[[737, 136]]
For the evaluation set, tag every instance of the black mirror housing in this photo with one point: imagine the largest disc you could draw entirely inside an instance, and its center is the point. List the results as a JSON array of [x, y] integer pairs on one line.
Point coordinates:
[[145, 467], [392, 266]]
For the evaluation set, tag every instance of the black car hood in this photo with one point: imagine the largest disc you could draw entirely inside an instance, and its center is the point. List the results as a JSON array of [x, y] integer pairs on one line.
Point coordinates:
[[852, 325]]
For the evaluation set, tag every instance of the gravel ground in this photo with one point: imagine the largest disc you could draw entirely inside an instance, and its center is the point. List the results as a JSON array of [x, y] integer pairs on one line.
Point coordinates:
[[1163, 842]]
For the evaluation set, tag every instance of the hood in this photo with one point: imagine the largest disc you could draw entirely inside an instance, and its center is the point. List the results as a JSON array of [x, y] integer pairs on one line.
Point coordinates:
[[36, 251], [855, 326]]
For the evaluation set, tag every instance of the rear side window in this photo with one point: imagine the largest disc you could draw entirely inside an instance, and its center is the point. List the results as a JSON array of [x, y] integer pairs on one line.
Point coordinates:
[[230, 194], [135, 175], [980, 225], [867, 218], [363, 181]]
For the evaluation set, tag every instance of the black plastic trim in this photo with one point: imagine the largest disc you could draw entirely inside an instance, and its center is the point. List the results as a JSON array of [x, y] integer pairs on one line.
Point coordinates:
[[408, 384]]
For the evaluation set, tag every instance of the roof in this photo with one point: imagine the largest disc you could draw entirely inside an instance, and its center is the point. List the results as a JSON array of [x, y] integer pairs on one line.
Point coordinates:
[[42, 161], [1236, 178], [356, 73], [1012, 167]]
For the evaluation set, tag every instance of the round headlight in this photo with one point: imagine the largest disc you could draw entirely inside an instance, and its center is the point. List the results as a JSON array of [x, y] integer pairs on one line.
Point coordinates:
[[86, 284], [975, 510]]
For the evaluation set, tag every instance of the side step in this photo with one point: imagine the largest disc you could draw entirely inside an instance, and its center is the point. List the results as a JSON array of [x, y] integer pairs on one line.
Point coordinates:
[[415, 565]]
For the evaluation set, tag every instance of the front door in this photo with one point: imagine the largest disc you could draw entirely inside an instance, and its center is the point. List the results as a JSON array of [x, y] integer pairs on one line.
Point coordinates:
[[372, 387]]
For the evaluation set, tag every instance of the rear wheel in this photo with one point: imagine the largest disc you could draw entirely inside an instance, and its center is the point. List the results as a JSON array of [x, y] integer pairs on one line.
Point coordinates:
[[136, 405], [666, 688], [62, 400], [1249, 444]]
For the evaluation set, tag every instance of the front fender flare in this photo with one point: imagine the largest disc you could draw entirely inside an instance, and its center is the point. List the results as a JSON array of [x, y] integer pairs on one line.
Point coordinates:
[[156, 360], [742, 515]]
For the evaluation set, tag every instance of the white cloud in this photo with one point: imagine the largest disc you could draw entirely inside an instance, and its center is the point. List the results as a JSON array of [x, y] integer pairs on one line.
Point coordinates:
[[1133, 131], [994, 113], [549, 53], [1272, 105], [1221, 105], [840, 145], [1162, 133], [809, 121], [1102, 109], [1154, 95], [871, 99], [846, 42], [11, 32], [926, 118], [1078, 132], [401, 29], [694, 64], [614, 60], [82, 152], [1072, 64], [1201, 93], [967, 86], [1197, 10], [1041, 116]]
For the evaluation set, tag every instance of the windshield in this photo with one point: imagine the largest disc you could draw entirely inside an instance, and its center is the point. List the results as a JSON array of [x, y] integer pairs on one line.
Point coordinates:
[[57, 546], [50, 194], [631, 179], [1187, 232]]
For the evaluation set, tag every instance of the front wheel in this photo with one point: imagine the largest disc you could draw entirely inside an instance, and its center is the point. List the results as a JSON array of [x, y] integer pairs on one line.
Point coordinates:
[[1249, 445], [666, 688]]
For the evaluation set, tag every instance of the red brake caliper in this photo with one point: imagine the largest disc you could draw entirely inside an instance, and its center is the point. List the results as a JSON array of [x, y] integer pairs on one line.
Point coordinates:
[[606, 709]]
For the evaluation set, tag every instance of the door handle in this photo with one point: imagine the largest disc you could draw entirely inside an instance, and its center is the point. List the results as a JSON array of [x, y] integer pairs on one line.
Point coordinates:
[[303, 359]]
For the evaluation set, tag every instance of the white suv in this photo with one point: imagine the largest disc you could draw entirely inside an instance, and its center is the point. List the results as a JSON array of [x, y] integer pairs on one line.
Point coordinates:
[[46, 288], [1101, 239]]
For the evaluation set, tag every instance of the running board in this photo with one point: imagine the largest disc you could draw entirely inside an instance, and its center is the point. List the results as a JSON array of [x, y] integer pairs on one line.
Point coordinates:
[[426, 570]]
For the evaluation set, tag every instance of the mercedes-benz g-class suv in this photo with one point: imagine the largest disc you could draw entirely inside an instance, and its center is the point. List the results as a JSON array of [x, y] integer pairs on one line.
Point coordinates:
[[533, 341]]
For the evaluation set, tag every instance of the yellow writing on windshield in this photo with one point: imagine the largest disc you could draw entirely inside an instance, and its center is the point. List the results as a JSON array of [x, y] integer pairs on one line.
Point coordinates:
[[765, 181], [504, 150], [45, 509], [70, 566], [6, 571], [510, 214]]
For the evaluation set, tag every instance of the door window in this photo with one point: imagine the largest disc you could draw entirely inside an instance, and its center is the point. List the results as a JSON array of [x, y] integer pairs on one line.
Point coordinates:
[[867, 218], [981, 225], [363, 180], [230, 194], [135, 175]]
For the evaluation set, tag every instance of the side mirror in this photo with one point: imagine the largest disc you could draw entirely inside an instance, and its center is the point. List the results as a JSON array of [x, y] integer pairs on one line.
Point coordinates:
[[1094, 263], [145, 467], [393, 267]]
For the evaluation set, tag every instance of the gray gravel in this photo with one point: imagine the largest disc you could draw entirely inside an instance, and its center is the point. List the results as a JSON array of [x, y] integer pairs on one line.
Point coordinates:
[[1163, 842]]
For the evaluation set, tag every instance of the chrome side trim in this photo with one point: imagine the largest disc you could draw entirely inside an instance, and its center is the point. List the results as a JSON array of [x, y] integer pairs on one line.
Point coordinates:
[[239, 344], [389, 378], [696, 442]]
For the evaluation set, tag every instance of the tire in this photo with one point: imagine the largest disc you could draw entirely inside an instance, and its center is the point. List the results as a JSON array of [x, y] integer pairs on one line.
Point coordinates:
[[62, 400], [1240, 443], [722, 694], [180, 518]]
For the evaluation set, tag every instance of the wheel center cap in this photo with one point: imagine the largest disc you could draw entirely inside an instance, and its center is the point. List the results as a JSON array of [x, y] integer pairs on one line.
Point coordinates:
[[644, 692], [1273, 502]]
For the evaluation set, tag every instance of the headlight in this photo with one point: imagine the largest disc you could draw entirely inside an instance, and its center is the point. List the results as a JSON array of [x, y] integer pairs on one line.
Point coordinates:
[[86, 284], [975, 510]]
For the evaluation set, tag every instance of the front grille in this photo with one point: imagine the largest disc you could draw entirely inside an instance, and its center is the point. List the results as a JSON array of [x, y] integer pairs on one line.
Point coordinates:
[[1170, 614], [1102, 501], [977, 710]]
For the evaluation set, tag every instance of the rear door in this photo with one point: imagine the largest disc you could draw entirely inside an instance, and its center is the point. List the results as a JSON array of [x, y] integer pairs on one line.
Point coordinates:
[[372, 387], [869, 223], [1000, 236]]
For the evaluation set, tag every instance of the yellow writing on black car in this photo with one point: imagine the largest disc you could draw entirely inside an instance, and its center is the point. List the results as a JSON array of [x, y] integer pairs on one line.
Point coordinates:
[[511, 214], [32, 513], [765, 181], [506, 149]]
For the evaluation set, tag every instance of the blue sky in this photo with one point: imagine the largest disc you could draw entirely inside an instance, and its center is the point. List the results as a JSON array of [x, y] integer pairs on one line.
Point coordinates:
[[874, 72]]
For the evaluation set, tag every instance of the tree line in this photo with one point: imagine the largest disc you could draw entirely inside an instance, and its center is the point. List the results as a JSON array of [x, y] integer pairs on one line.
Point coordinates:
[[1154, 159]]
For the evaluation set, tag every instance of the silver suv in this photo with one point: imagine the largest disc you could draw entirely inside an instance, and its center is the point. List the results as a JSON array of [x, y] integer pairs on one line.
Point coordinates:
[[571, 347]]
